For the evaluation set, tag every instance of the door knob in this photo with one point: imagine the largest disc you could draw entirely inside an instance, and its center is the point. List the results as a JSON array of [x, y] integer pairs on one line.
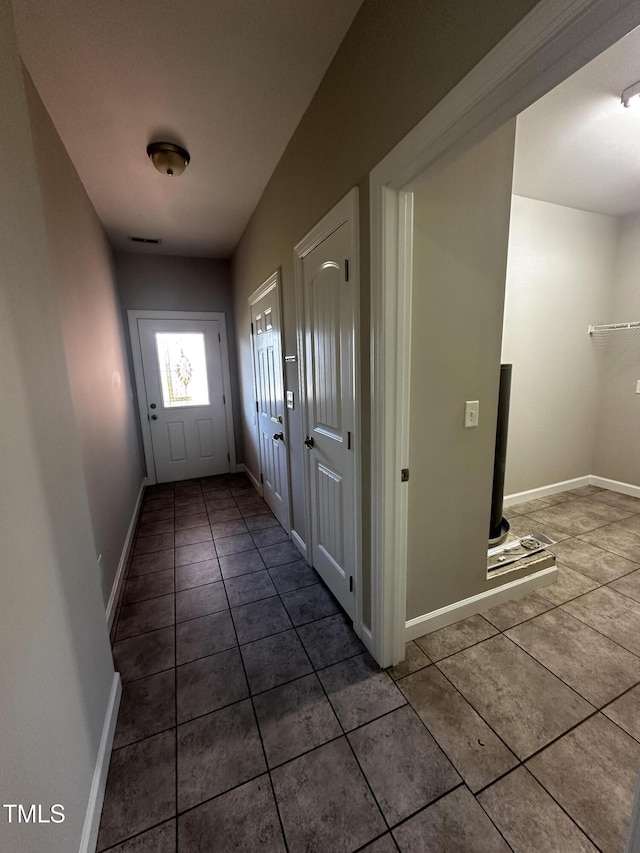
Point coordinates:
[[154, 417], [309, 442], [278, 436]]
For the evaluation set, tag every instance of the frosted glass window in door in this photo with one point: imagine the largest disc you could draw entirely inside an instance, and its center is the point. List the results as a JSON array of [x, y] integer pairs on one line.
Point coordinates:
[[183, 369]]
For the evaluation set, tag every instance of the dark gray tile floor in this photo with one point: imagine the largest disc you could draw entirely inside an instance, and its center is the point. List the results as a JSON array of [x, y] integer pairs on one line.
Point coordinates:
[[252, 718]]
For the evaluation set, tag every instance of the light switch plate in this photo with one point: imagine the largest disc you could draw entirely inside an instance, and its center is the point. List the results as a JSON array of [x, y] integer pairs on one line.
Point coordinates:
[[471, 412], [289, 399]]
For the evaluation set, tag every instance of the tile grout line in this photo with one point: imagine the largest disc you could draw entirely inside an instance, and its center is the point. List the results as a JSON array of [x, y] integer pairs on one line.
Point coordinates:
[[257, 725], [344, 732]]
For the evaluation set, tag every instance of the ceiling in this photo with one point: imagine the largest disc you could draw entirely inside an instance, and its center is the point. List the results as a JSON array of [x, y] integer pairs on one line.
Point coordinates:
[[578, 146], [227, 79]]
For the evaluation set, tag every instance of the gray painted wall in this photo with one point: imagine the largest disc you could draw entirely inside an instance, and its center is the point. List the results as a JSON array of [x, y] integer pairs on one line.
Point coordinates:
[[461, 224], [56, 670], [397, 61], [94, 344], [616, 454], [560, 276], [169, 283]]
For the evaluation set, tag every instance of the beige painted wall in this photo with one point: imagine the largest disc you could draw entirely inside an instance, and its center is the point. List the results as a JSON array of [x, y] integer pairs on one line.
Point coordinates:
[[171, 283], [397, 61], [560, 275], [461, 223], [94, 343], [55, 668], [617, 444]]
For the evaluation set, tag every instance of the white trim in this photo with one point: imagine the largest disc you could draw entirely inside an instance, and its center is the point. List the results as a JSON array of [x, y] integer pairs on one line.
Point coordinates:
[[576, 483], [429, 622], [256, 483], [555, 39], [99, 783], [346, 210], [300, 544], [545, 491], [615, 486], [367, 639], [124, 556], [273, 283], [136, 352]]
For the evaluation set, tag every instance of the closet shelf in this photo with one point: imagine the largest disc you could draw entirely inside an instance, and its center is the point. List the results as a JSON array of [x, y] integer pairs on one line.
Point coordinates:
[[614, 327]]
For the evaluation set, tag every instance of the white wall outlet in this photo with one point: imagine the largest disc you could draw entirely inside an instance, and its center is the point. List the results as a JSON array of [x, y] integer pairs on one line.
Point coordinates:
[[471, 412], [289, 399], [638, 387]]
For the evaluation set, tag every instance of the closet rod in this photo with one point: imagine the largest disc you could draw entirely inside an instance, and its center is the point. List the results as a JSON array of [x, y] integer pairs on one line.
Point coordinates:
[[614, 327]]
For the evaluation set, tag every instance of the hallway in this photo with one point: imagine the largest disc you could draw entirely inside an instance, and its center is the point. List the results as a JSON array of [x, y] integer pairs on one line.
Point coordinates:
[[253, 719]]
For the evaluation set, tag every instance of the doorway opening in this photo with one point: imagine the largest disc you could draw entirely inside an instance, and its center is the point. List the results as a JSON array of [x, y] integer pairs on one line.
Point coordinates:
[[572, 265], [550, 44]]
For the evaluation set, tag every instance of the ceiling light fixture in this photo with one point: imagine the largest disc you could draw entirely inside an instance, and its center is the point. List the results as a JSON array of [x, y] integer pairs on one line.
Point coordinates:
[[631, 96], [168, 158]]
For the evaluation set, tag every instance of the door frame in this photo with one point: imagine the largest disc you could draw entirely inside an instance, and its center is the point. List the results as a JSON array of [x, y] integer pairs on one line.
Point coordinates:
[[143, 403], [346, 210], [272, 283], [553, 41]]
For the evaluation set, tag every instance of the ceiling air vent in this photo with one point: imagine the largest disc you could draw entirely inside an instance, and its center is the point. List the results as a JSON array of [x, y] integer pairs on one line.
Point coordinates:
[[144, 240]]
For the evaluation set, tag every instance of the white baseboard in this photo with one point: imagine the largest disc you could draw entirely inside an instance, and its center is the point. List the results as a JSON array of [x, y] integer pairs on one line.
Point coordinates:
[[124, 556], [576, 483], [616, 486], [300, 544], [545, 491], [429, 622], [256, 483], [98, 785]]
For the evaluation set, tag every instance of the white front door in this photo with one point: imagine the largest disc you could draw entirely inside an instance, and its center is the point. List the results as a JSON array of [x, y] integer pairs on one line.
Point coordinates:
[[267, 360], [184, 387], [329, 326]]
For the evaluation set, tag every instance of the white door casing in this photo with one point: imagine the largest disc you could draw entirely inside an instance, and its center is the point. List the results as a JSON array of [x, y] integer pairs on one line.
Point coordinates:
[[266, 338], [555, 39], [327, 299], [187, 428]]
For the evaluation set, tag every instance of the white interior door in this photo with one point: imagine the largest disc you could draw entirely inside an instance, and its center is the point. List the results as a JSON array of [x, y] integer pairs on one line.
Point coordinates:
[[183, 381], [329, 326], [267, 360]]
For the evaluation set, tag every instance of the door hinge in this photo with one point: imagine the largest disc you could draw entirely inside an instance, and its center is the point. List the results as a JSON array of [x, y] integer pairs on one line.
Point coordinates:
[[261, 478], [252, 328], [224, 400], [219, 338], [228, 457], [257, 407], [404, 475], [346, 269], [348, 441], [350, 583]]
